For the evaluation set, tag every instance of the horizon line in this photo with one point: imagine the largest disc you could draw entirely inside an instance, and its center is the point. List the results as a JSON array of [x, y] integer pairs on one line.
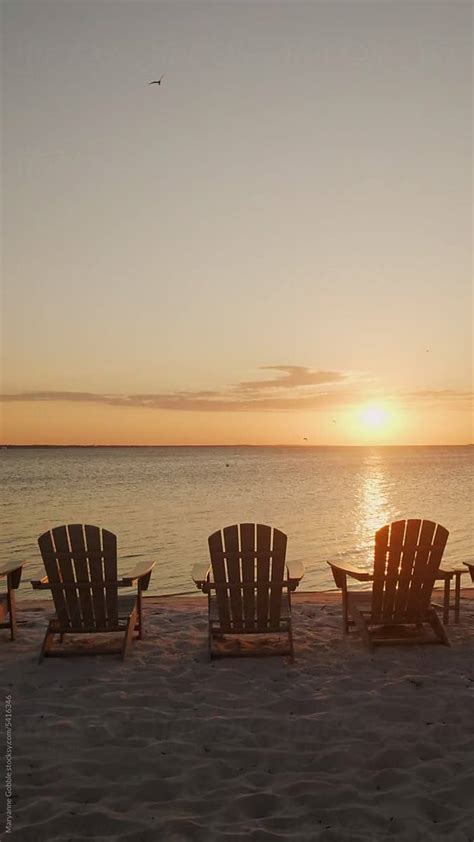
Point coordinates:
[[302, 446]]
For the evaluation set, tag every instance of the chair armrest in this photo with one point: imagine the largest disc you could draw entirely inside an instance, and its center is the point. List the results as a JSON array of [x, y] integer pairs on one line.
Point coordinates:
[[341, 569], [12, 569], [141, 573], [470, 567], [443, 573], [295, 571], [40, 584], [200, 574]]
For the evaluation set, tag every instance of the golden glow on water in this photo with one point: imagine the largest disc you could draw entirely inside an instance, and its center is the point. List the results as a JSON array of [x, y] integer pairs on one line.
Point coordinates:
[[329, 501], [373, 507]]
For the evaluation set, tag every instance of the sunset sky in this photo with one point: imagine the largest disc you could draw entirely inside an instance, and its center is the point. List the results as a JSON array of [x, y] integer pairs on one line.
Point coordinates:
[[273, 246]]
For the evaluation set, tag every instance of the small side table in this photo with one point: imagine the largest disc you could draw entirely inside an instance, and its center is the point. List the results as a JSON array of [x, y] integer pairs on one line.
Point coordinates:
[[446, 576]]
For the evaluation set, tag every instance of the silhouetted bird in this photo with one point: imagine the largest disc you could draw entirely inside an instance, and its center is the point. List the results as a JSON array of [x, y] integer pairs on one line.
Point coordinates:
[[157, 81]]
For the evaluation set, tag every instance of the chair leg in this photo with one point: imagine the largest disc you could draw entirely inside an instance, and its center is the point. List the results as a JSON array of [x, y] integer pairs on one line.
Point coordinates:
[[438, 627], [457, 595], [47, 643], [12, 611], [132, 620], [361, 625], [345, 610], [139, 612], [446, 600]]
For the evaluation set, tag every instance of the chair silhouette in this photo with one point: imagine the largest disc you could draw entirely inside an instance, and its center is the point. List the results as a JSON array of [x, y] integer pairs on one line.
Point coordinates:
[[249, 584], [406, 563], [81, 567]]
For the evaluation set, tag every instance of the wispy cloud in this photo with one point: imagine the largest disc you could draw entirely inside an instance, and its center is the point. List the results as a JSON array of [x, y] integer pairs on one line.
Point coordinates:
[[448, 398], [297, 387], [293, 377]]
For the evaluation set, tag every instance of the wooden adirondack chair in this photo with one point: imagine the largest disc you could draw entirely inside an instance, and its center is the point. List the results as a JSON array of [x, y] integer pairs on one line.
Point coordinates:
[[406, 563], [248, 584], [12, 571], [81, 567]]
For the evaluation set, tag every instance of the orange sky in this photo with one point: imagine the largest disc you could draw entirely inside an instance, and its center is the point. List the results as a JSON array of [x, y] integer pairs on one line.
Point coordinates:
[[253, 252], [375, 421]]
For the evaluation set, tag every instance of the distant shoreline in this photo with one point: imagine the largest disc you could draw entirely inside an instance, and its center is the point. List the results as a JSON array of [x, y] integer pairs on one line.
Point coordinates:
[[213, 446]]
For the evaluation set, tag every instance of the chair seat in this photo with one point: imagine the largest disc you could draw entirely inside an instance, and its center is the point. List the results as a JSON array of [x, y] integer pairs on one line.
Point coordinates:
[[253, 627], [363, 602], [126, 604]]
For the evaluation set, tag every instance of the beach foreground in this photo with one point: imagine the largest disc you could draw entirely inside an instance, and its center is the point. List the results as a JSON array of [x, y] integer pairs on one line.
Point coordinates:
[[340, 745]]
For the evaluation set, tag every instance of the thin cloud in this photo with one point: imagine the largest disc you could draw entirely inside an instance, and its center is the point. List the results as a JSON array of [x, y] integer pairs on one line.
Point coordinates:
[[290, 393], [190, 402], [294, 376], [449, 398], [297, 388]]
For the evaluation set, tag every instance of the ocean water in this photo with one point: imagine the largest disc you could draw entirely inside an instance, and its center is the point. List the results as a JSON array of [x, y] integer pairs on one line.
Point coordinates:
[[163, 502]]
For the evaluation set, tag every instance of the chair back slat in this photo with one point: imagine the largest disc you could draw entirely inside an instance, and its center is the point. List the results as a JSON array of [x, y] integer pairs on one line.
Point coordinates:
[[248, 571], [277, 577], [412, 571], [81, 565], [247, 540], [380, 557], [264, 547], [94, 547], [432, 541], [51, 566], [67, 572], [216, 550], [98, 566], [232, 549], [109, 544], [79, 554], [406, 550], [406, 560]]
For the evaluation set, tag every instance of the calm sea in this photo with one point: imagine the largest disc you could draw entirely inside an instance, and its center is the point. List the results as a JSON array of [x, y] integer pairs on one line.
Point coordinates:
[[163, 502]]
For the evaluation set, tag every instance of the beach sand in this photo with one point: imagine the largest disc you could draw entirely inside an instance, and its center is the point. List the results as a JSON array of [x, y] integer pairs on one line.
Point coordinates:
[[340, 745]]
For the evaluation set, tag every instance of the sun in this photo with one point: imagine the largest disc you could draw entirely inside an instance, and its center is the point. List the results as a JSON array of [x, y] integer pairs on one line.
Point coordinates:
[[374, 417], [376, 422]]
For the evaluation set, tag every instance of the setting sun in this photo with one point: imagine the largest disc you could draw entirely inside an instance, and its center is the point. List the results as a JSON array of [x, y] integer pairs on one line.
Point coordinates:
[[374, 417]]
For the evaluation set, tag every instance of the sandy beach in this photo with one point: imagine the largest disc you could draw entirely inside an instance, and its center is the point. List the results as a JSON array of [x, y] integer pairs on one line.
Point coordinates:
[[340, 745]]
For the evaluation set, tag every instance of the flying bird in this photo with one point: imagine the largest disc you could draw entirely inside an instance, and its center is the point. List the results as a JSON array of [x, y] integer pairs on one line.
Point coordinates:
[[157, 81]]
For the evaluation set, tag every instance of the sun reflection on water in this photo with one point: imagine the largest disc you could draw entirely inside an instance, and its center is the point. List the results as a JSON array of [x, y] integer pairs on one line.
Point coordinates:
[[373, 509]]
